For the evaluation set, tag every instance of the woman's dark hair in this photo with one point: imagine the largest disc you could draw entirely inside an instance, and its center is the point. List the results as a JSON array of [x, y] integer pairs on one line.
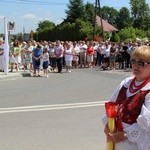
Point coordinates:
[[45, 50], [39, 46], [16, 43]]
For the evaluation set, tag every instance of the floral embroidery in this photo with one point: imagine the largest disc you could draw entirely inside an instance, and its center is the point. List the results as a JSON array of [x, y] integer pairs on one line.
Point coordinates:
[[129, 108]]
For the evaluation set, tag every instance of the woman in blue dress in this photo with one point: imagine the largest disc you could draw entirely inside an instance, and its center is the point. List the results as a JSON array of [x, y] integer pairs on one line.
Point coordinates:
[[36, 55]]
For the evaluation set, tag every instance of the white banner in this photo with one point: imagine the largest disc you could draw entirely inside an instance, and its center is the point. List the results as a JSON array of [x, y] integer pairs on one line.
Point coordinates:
[[6, 48]]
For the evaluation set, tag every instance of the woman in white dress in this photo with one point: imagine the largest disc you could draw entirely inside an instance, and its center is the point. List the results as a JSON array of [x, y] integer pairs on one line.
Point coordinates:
[[68, 56], [132, 102]]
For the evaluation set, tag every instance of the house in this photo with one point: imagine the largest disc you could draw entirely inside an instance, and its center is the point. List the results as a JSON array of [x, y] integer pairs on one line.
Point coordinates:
[[106, 26]]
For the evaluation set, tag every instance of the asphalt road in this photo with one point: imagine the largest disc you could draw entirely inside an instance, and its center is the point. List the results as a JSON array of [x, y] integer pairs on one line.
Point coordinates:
[[62, 112]]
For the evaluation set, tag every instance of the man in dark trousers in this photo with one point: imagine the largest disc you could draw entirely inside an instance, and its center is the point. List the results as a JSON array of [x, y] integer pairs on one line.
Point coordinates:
[[59, 55]]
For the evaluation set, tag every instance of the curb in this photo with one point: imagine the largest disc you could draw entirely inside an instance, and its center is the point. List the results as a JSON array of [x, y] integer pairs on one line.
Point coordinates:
[[25, 74], [13, 75]]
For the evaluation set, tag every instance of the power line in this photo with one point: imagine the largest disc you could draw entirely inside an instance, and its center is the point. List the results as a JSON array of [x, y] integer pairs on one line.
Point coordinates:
[[39, 2], [32, 2]]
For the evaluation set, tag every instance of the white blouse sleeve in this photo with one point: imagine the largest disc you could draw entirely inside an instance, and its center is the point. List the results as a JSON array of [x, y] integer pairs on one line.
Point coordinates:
[[140, 132]]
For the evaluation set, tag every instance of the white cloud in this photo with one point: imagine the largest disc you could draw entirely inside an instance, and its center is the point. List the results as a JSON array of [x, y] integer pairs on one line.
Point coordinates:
[[48, 13], [29, 16], [2, 17], [40, 9], [47, 19]]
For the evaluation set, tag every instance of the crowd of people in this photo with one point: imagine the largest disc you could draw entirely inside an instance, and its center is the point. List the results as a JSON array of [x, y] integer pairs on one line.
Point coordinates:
[[129, 105], [34, 55]]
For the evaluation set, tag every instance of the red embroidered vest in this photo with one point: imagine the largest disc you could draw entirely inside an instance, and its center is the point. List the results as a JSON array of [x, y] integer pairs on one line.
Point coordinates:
[[128, 108]]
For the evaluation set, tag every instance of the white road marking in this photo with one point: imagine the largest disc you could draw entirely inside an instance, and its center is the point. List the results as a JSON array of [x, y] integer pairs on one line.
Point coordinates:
[[50, 107], [5, 79]]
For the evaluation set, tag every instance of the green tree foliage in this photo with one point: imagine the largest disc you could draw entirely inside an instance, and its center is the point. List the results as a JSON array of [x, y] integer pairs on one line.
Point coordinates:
[[45, 25], [148, 33], [124, 20], [90, 14], [76, 31], [67, 31], [115, 37], [83, 29], [79, 23], [110, 14], [140, 12], [131, 33], [75, 10]]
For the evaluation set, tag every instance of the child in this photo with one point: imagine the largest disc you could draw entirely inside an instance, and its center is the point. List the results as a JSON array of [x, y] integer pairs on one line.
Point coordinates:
[[45, 59]]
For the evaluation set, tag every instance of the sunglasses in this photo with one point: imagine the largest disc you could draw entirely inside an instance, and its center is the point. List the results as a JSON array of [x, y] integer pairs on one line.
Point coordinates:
[[139, 63]]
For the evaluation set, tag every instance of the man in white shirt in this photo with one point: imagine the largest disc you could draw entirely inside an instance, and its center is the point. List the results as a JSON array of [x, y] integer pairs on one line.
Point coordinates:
[[83, 49]]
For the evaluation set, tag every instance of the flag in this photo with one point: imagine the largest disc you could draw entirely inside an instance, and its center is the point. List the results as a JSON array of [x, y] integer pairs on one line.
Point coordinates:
[[6, 49]]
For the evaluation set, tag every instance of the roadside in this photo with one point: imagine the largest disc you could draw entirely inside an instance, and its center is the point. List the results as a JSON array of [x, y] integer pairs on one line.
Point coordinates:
[[14, 74], [27, 73]]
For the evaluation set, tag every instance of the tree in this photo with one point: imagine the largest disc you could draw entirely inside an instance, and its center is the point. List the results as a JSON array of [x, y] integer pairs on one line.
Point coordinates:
[[45, 25], [83, 29], [124, 20], [131, 33], [79, 22], [115, 37], [90, 13], [110, 15], [140, 12], [75, 10], [148, 34]]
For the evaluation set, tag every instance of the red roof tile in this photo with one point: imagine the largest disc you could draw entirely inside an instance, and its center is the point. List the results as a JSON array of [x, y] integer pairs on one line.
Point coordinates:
[[106, 26]]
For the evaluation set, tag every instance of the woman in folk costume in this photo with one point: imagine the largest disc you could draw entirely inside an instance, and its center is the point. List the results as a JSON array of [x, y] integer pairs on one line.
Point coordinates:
[[131, 101]]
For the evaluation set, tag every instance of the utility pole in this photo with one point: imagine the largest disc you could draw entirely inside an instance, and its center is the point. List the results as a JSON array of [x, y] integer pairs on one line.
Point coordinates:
[[23, 33], [98, 6], [95, 13]]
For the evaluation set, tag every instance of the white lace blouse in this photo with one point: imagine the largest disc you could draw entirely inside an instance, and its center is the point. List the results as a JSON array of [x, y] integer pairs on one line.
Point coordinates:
[[138, 132]]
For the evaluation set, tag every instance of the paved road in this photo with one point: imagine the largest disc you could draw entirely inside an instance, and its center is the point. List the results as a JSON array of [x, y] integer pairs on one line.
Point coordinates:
[[62, 112]]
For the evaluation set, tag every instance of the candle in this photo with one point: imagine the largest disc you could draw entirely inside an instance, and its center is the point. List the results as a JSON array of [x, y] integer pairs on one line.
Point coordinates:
[[111, 113], [111, 126]]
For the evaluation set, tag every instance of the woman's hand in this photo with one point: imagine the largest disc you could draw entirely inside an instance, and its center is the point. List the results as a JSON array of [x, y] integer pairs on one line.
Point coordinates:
[[36, 58], [117, 137], [106, 130]]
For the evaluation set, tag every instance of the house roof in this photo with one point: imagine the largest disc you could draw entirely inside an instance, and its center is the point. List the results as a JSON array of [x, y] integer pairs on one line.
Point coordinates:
[[106, 26]]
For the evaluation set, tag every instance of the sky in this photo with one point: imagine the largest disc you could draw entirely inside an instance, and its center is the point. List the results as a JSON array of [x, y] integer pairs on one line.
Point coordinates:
[[28, 13]]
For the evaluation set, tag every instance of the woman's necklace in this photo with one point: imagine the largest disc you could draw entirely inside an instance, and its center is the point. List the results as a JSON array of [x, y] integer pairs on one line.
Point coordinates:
[[134, 88]]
